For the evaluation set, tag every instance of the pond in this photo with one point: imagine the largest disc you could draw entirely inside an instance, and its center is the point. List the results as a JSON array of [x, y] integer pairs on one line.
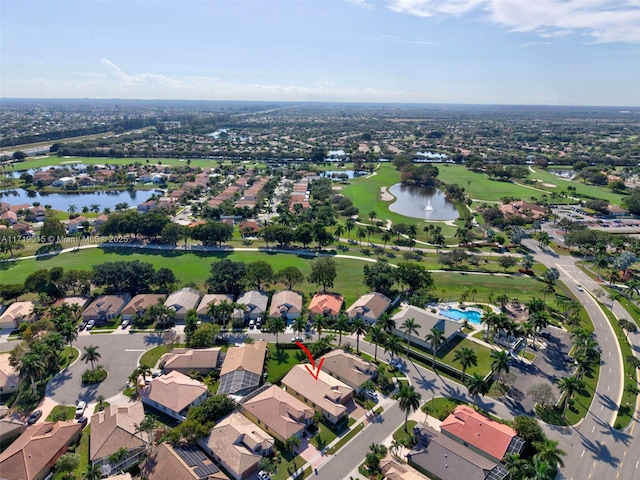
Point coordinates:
[[339, 174], [61, 201], [422, 202]]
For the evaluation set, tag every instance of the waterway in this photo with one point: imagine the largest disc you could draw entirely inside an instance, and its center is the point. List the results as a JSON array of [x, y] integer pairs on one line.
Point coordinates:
[[61, 201]]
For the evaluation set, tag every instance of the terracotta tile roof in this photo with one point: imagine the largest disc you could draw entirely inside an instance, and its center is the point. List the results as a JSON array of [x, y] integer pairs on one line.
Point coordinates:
[[167, 462], [186, 359], [174, 390], [108, 305], [238, 443], [349, 368], [141, 302], [280, 411], [326, 304], [369, 306], [40, 445], [485, 434], [114, 428], [212, 298], [285, 301], [326, 392], [16, 312]]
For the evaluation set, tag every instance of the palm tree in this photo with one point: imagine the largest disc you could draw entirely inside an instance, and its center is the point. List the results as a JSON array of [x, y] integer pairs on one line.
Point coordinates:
[[515, 465], [378, 337], [349, 225], [386, 237], [436, 338], [501, 362], [359, 327], [342, 325], [32, 366], [372, 215], [339, 231], [68, 331], [361, 233], [95, 208], [299, 325], [100, 400], [72, 209], [392, 345], [94, 472], [477, 385], [90, 354], [548, 451], [320, 321], [292, 443], [569, 386], [408, 327], [466, 357], [276, 325], [540, 470], [386, 323], [409, 400]]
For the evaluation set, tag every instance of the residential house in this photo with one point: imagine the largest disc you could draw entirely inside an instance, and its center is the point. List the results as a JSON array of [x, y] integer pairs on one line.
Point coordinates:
[[115, 428], [348, 368], [101, 220], [20, 209], [326, 395], [279, 413], [212, 299], [369, 307], [23, 228], [327, 304], [63, 182], [481, 434], [39, 213], [237, 444], [174, 393], [10, 429], [182, 301], [242, 368], [9, 376], [441, 457], [79, 300], [392, 469], [286, 304], [179, 462], [146, 207], [139, 304], [9, 216], [255, 305], [185, 360], [75, 224], [34, 453], [43, 178], [105, 307], [15, 314], [524, 209], [426, 320]]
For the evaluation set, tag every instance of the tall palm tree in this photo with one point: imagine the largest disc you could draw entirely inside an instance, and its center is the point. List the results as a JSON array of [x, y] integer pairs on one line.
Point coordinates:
[[68, 331], [386, 323], [378, 337], [359, 327], [72, 209], [436, 339], [342, 325], [548, 451], [349, 225], [540, 470], [466, 356], [408, 400], [276, 325], [292, 443], [32, 366], [93, 472], [299, 325], [392, 345], [409, 327], [569, 386], [500, 362], [320, 322], [477, 385], [90, 355], [386, 237], [515, 465]]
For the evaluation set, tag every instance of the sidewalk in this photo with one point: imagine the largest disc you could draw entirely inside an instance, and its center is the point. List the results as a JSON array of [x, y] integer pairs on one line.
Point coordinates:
[[321, 458]]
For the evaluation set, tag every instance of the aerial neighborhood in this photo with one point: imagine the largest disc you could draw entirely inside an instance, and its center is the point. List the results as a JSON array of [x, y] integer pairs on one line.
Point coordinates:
[[234, 292]]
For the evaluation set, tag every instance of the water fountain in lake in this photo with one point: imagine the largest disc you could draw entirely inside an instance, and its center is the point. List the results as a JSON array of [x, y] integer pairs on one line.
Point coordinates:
[[429, 208]]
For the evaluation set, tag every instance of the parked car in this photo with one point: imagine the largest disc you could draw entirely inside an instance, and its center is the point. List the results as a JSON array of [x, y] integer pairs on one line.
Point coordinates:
[[221, 339], [262, 475], [124, 324], [83, 421], [252, 324], [371, 394], [33, 418], [297, 339], [259, 322], [80, 408], [545, 334], [81, 326], [90, 324]]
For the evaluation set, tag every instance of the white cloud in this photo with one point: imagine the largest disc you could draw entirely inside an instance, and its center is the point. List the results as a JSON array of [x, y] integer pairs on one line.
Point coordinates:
[[603, 21], [139, 78]]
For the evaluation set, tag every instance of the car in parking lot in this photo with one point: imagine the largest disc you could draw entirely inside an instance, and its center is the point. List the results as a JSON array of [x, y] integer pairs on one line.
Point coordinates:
[[80, 408], [252, 323], [33, 418]]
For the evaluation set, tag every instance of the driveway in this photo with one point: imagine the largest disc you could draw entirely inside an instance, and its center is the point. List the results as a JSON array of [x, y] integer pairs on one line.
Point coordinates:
[[119, 356]]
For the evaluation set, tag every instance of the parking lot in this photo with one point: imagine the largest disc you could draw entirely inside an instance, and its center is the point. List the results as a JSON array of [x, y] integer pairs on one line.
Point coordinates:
[[550, 364]]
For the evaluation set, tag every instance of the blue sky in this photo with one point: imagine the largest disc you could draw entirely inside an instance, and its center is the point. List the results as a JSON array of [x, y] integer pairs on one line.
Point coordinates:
[[557, 52]]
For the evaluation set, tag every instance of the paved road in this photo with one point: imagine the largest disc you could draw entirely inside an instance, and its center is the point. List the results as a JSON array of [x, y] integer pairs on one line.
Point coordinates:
[[119, 355]]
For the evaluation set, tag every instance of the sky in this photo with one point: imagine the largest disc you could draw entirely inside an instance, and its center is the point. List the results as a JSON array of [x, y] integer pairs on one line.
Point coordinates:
[[526, 52]]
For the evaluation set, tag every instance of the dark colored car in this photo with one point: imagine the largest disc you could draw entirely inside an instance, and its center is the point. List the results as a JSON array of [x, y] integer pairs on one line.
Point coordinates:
[[82, 421], [33, 418]]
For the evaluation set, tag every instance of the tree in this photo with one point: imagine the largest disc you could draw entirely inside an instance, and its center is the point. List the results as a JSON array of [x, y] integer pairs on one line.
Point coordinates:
[[393, 345], [548, 451], [90, 354], [466, 357], [277, 326], [342, 325], [31, 366], [52, 229], [413, 276], [386, 323], [500, 362], [147, 426], [408, 401], [359, 327], [323, 272], [477, 385], [93, 472], [290, 276], [409, 327], [551, 276], [528, 428], [259, 274], [541, 393], [379, 277], [68, 331], [67, 463], [569, 386], [292, 443], [227, 276], [10, 241], [378, 337], [436, 338], [204, 336], [507, 261]]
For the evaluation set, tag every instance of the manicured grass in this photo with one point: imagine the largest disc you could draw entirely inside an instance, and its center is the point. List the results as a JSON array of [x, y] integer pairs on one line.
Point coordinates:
[[282, 361], [82, 449], [286, 466], [483, 353], [61, 412], [327, 435], [405, 437], [150, 357], [345, 439], [590, 190], [68, 356]]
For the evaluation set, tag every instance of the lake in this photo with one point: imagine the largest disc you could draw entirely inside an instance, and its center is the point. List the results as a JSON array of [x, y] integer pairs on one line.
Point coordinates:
[[422, 202], [61, 201], [337, 174]]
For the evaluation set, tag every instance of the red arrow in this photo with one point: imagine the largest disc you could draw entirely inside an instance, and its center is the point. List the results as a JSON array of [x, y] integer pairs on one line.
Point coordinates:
[[313, 363]]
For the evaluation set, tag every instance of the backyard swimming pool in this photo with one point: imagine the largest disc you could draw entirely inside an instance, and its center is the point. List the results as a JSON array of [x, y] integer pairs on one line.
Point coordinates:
[[472, 315]]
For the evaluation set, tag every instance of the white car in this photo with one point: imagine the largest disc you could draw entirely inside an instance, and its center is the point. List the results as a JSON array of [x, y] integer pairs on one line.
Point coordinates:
[[396, 363], [579, 288], [80, 407], [262, 475]]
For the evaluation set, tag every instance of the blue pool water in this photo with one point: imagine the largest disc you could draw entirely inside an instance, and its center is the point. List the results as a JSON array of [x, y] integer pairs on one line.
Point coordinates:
[[472, 315]]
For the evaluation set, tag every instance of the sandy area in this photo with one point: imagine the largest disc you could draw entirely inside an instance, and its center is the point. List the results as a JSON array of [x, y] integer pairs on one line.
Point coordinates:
[[385, 196], [549, 185], [337, 188]]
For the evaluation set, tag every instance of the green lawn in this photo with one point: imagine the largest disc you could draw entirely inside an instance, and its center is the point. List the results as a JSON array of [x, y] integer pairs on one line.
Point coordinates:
[[581, 189], [345, 439], [62, 413], [287, 466], [151, 357], [282, 361], [405, 437], [483, 353], [82, 449], [327, 435]]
